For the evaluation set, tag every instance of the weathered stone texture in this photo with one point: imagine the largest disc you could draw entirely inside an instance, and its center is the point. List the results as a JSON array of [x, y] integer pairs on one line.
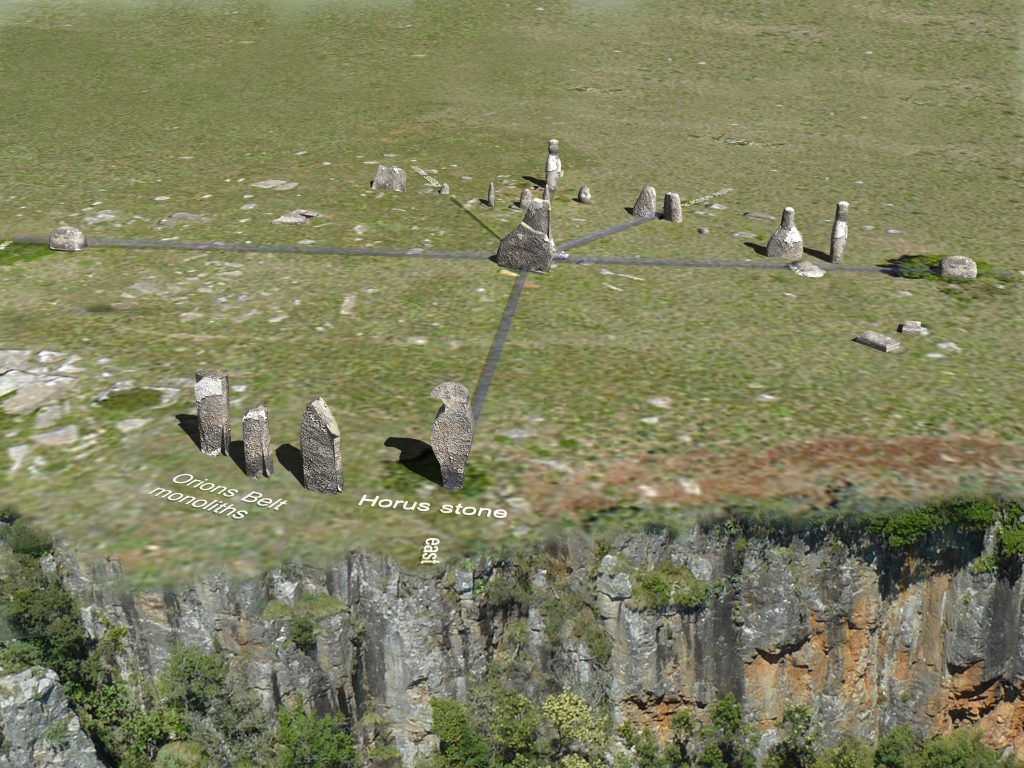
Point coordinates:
[[491, 199], [959, 268], [646, 202], [452, 434], [807, 268], [259, 457], [840, 232], [672, 210], [525, 198], [389, 178], [878, 341], [787, 242], [67, 239], [213, 410], [538, 216], [320, 444], [526, 248], [584, 195]]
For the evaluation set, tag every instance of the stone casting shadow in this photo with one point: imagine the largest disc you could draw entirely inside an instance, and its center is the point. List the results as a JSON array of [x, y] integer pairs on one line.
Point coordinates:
[[757, 248], [417, 456], [536, 182], [236, 450], [290, 457], [189, 424]]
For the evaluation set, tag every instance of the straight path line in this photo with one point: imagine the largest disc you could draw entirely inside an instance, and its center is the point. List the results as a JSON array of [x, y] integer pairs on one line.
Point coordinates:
[[500, 337], [577, 242], [255, 248], [625, 260]]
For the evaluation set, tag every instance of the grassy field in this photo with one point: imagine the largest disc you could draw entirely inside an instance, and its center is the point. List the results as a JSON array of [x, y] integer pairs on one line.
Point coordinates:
[[613, 390]]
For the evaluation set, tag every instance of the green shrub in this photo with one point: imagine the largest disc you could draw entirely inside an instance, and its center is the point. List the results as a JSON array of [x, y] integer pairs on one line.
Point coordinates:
[[670, 587], [462, 745], [23, 539], [313, 741], [193, 680], [302, 632], [904, 528]]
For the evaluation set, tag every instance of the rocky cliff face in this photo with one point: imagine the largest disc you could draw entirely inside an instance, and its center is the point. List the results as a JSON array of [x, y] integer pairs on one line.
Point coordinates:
[[867, 643]]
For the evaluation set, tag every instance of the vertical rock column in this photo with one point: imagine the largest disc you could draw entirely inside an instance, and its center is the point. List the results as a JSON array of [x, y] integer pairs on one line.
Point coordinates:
[[213, 412], [320, 444], [644, 207], [673, 208], [259, 460], [840, 230], [452, 434], [787, 242]]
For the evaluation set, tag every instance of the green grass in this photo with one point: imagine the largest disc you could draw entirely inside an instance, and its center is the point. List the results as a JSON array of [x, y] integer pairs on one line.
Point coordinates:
[[670, 587], [907, 112], [315, 607]]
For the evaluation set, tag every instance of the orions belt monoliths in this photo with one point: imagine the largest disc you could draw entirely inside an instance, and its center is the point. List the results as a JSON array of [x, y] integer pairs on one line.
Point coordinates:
[[259, 459], [213, 412], [320, 444]]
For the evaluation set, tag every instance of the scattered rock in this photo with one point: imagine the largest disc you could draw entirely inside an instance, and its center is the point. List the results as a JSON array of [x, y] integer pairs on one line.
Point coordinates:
[[131, 425], [49, 415], [757, 216], [14, 358], [703, 231], [17, 454], [183, 217], [879, 341], [691, 487], [31, 390], [584, 196], [298, 216], [279, 185], [959, 268], [949, 346], [912, 328], [807, 268], [445, 189], [100, 217], [661, 402]]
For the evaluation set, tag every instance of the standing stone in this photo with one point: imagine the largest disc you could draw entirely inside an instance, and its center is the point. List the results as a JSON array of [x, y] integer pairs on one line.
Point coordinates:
[[445, 189], [840, 229], [389, 178], [320, 444], [525, 198], [959, 268], [673, 209], [538, 216], [584, 195], [490, 195], [452, 433], [787, 241], [526, 248], [67, 239], [553, 169], [259, 460], [644, 208], [549, 192], [213, 412]]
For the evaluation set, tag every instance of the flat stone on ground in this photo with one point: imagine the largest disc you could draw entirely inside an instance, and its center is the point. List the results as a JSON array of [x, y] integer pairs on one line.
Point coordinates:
[[389, 178], [67, 239], [912, 328], [879, 341], [807, 268]]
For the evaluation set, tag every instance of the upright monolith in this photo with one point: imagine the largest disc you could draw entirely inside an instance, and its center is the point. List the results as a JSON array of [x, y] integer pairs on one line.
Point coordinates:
[[644, 207], [840, 230], [787, 241], [538, 216], [259, 459], [389, 178], [452, 434], [673, 208], [553, 168], [213, 412], [525, 198], [490, 195], [320, 444]]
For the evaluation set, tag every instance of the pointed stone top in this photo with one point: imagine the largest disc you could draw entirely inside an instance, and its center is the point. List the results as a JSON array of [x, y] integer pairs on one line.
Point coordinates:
[[842, 209], [788, 217], [319, 411], [451, 393], [259, 413]]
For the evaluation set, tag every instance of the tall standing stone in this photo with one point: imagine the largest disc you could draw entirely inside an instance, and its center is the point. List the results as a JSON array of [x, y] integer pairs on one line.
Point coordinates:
[[213, 412], [259, 459], [389, 178], [452, 434], [66, 239], [320, 444], [549, 192], [840, 230], [787, 241], [644, 207], [584, 196], [491, 199], [538, 216], [553, 168], [673, 208], [525, 198], [526, 248]]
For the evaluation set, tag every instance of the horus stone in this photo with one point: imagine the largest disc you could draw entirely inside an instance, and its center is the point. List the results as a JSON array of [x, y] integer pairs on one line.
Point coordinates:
[[67, 239], [959, 268], [320, 444], [538, 216], [913, 328], [553, 168], [526, 248], [840, 230], [672, 209], [390, 178], [490, 195], [787, 242], [259, 459], [584, 195], [644, 208], [213, 412], [452, 434], [878, 341], [445, 189], [525, 198]]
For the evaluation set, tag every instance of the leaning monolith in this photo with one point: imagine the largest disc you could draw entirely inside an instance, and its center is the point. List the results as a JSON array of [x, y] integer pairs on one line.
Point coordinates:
[[452, 434], [320, 444], [840, 230], [213, 412], [259, 459], [644, 207], [787, 241], [538, 216]]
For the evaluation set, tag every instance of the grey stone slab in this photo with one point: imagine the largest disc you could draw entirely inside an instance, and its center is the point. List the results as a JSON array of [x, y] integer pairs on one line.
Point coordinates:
[[67, 239], [879, 341], [913, 328], [526, 248], [452, 434], [787, 242], [389, 178], [213, 409], [259, 457], [320, 444], [840, 232], [644, 207], [807, 268]]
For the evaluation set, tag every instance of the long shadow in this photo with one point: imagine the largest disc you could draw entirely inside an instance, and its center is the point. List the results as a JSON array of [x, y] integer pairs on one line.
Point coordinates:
[[236, 450], [534, 180], [912, 266], [290, 458], [817, 254], [189, 424], [417, 456], [757, 248]]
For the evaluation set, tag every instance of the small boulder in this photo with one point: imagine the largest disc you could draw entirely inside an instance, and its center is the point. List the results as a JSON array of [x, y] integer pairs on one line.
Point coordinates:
[[67, 239], [807, 268], [389, 178], [959, 268], [584, 195]]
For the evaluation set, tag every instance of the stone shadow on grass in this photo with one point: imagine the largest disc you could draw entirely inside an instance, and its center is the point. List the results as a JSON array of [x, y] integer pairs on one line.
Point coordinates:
[[535, 181], [290, 457], [816, 254], [757, 248], [417, 456], [189, 424], [236, 450]]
